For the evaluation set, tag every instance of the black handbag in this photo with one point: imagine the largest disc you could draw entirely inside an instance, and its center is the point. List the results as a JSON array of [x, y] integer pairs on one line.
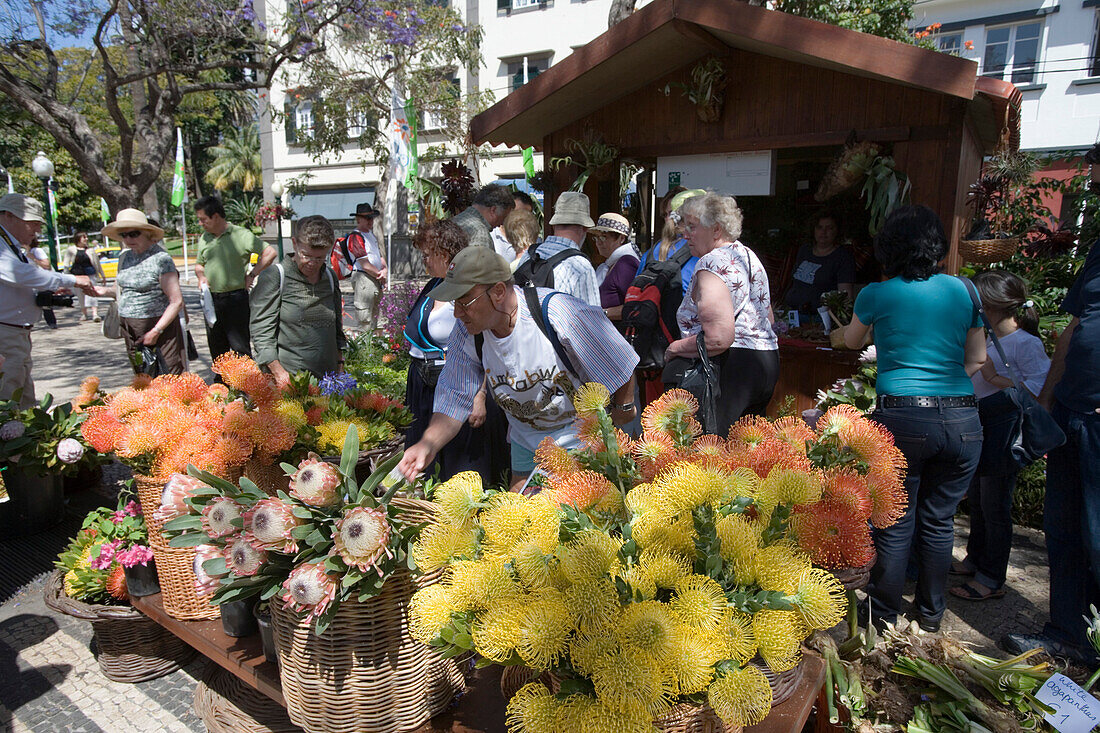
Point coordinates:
[[1036, 433], [701, 380]]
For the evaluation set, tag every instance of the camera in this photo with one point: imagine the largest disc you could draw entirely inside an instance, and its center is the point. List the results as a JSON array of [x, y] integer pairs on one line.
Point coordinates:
[[50, 299]]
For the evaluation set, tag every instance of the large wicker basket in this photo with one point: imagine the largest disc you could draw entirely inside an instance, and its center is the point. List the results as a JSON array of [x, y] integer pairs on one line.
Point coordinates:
[[365, 673], [686, 718], [987, 251], [175, 567], [132, 647], [267, 475], [227, 705]]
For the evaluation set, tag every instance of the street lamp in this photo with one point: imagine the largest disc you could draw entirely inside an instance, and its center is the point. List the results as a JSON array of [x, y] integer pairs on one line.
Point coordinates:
[[4, 172], [44, 169], [277, 191]]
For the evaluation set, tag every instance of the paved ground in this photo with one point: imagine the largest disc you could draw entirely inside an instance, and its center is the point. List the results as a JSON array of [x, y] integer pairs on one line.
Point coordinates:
[[50, 681]]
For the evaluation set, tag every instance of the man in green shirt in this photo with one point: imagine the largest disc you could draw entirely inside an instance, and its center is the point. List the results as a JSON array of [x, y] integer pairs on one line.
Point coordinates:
[[221, 267]]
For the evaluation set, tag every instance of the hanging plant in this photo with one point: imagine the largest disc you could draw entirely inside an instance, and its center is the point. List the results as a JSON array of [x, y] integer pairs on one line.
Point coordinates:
[[885, 189], [707, 90], [589, 155]]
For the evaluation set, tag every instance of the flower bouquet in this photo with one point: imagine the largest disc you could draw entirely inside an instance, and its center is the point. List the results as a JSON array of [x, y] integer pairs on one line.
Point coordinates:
[[93, 582], [332, 558], [657, 581]]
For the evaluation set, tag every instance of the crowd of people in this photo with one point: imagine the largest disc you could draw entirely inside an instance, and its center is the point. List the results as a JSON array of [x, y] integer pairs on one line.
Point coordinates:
[[510, 325]]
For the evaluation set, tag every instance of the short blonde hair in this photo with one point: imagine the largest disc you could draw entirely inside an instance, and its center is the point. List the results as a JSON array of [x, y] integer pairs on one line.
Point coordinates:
[[713, 208], [522, 229]]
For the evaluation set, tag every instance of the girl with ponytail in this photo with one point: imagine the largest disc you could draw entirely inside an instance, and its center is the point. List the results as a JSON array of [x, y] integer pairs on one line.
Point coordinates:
[[1016, 322]]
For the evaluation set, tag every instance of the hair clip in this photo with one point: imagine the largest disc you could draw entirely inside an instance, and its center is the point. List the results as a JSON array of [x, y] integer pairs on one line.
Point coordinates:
[[1029, 304]]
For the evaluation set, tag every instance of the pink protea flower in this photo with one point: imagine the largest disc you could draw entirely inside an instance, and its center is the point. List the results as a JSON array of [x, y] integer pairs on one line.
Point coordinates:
[[268, 525], [243, 559], [309, 588], [205, 583], [316, 482], [362, 538], [136, 555], [179, 488], [218, 516]]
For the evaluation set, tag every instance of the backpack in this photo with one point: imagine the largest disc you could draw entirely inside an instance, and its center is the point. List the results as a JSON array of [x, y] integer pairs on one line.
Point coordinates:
[[538, 272], [341, 261], [649, 311], [540, 312]]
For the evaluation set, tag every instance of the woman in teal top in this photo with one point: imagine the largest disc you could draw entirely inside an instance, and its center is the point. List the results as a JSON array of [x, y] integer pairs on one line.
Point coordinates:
[[929, 341]]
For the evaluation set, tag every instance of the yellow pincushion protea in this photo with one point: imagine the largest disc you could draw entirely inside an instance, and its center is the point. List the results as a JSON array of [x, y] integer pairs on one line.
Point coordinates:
[[684, 487], [590, 398], [779, 635], [632, 677], [479, 584], [820, 599], [429, 611], [594, 603], [543, 625], [742, 697], [589, 651], [787, 486], [496, 632], [740, 543], [640, 499], [505, 524], [736, 637], [699, 602], [460, 497], [331, 435], [692, 658], [440, 543], [591, 554], [293, 412], [532, 566], [779, 567], [639, 582], [532, 710], [600, 718], [647, 626], [675, 535], [663, 569]]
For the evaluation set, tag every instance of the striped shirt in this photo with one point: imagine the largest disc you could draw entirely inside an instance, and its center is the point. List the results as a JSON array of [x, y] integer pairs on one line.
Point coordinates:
[[528, 380], [574, 275]]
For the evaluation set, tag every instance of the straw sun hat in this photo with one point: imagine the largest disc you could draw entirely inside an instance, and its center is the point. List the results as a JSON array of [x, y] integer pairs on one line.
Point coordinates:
[[128, 220]]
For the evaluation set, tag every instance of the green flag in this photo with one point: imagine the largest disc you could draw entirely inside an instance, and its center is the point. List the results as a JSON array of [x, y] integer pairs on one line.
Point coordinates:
[[179, 186], [104, 211], [529, 162], [412, 174]]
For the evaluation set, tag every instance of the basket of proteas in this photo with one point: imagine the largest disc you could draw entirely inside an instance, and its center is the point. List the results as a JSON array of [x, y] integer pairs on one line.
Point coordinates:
[[667, 582], [332, 559]]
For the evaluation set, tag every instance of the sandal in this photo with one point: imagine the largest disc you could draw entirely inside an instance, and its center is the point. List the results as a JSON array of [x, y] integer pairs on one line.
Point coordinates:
[[959, 567], [968, 592]]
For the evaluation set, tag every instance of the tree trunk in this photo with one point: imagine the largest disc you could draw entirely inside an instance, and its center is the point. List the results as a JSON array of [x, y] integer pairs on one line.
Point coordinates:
[[141, 104], [620, 11]]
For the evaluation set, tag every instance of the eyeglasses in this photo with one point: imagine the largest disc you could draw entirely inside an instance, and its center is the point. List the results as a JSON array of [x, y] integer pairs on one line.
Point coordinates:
[[130, 235], [466, 306], [307, 258]]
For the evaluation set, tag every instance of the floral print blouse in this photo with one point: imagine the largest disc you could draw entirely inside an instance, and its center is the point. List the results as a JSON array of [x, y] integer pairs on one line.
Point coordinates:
[[744, 275]]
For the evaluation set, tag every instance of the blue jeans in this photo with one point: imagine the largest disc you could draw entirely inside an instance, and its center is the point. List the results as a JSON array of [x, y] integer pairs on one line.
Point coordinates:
[[942, 446], [1071, 521]]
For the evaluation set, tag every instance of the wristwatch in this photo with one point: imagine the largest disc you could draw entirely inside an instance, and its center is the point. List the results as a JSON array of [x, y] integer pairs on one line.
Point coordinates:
[[624, 406]]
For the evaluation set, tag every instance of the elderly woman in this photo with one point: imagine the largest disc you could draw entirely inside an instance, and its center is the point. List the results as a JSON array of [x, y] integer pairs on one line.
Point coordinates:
[[821, 266], [611, 236], [728, 302], [147, 289], [482, 443], [930, 342], [297, 310]]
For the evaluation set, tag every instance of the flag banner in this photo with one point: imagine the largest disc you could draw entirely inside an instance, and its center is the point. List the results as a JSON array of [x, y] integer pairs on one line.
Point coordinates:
[[399, 139], [53, 202], [529, 162], [179, 185], [413, 174], [104, 210]]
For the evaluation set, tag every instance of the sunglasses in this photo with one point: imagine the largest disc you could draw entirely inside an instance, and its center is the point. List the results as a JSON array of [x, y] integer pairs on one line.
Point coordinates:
[[131, 234]]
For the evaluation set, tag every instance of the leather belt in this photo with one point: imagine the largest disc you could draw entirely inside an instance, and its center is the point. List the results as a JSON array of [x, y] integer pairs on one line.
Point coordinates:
[[13, 325], [887, 400]]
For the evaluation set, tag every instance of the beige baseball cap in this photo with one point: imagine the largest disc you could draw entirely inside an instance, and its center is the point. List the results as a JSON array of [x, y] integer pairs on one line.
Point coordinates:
[[22, 207], [572, 207], [471, 266]]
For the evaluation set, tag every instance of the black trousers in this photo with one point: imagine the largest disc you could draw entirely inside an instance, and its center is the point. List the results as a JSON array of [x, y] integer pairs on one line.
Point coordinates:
[[230, 332]]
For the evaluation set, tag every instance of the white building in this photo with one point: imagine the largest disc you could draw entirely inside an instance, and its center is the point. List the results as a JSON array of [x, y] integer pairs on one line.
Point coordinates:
[[522, 38]]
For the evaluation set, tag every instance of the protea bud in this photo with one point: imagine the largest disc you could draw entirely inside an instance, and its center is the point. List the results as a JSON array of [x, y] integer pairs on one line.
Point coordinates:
[[177, 490], [205, 583], [316, 482], [362, 538], [243, 559], [268, 525], [218, 516], [309, 588], [70, 450]]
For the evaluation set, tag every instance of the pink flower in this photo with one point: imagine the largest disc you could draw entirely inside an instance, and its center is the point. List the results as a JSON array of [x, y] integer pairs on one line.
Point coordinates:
[[118, 516], [243, 559], [179, 488], [316, 482], [218, 516], [362, 538], [310, 588], [106, 555], [205, 583], [136, 555], [268, 526], [132, 508]]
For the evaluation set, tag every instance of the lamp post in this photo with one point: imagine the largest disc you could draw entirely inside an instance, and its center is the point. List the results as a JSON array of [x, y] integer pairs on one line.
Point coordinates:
[[277, 191], [4, 173], [44, 169]]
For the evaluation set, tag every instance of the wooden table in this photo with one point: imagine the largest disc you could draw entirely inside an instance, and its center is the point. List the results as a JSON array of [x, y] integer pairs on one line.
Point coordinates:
[[806, 368], [480, 710]]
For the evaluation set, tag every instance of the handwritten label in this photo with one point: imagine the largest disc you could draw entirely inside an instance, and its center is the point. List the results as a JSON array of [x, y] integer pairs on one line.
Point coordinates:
[[1075, 711]]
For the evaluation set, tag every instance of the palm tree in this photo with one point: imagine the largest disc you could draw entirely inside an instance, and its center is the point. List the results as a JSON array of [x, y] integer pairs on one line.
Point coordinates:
[[237, 160]]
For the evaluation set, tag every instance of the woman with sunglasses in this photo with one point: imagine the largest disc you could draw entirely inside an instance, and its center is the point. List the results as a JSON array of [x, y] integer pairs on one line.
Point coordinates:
[[147, 289]]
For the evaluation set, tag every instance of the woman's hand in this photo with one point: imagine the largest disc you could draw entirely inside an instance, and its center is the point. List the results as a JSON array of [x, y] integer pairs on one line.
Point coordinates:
[[477, 415], [282, 376], [151, 337]]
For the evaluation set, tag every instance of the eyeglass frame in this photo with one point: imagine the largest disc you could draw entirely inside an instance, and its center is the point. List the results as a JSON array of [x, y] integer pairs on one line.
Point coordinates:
[[466, 306]]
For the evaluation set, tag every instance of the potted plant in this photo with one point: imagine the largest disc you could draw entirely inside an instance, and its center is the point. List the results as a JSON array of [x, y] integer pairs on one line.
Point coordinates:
[[1003, 203], [884, 187], [94, 580], [38, 446], [707, 90], [331, 560]]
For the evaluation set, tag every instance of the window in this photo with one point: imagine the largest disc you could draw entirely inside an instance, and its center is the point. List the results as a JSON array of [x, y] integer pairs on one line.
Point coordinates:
[[526, 69], [359, 122], [949, 42], [517, 4], [1094, 62], [1014, 49], [435, 119], [510, 5], [299, 121]]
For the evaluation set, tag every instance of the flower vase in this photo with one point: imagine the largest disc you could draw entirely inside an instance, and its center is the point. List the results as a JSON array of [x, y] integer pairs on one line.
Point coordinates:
[[35, 503], [238, 618], [141, 579]]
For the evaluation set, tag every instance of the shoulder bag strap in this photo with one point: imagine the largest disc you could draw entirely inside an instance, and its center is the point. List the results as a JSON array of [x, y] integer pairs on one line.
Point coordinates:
[[973, 291]]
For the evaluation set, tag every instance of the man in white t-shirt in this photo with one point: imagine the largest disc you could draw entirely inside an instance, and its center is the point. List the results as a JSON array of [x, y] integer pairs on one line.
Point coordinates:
[[369, 271], [497, 340]]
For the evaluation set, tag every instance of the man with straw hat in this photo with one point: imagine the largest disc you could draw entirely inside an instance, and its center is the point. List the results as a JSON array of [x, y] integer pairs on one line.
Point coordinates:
[[558, 262], [533, 348], [20, 221]]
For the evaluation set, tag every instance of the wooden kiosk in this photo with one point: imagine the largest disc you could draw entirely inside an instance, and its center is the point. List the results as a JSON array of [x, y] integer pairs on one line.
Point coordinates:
[[796, 91]]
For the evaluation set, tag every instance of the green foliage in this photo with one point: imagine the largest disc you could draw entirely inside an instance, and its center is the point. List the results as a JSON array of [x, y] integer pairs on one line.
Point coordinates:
[[364, 361], [104, 533], [886, 18], [242, 210], [44, 427], [1031, 490], [237, 160]]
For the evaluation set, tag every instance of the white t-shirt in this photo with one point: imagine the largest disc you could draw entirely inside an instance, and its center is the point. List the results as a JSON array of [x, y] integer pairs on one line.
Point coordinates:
[[441, 321], [373, 255], [1027, 356], [37, 253], [501, 244]]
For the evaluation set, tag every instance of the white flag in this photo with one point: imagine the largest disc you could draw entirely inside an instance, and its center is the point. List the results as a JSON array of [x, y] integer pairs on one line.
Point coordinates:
[[399, 138]]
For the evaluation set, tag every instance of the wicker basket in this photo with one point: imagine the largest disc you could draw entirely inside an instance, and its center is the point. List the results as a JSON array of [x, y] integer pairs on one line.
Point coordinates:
[[855, 578], [175, 566], [227, 705], [986, 251], [149, 492], [686, 718], [784, 683], [267, 475], [132, 647]]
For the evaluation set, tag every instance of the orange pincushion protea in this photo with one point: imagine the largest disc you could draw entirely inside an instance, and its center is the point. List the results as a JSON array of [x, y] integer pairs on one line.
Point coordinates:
[[793, 430], [126, 401], [233, 367], [185, 388], [116, 583], [888, 497], [749, 431], [769, 454], [849, 489], [588, 491], [874, 444], [832, 536], [554, 459], [101, 429], [141, 381], [653, 454], [588, 432], [838, 417], [663, 413]]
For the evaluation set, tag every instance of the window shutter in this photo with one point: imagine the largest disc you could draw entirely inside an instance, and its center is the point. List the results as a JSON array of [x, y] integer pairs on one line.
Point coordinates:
[[289, 123], [504, 4]]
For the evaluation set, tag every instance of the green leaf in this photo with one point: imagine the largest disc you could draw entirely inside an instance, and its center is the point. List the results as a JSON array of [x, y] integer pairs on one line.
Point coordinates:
[[301, 512], [215, 566], [269, 592], [288, 469], [301, 531], [190, 539], [184, 523], [350, 455]]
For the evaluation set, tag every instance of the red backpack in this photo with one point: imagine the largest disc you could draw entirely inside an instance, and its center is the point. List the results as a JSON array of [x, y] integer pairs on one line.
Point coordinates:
[[341, 260], [649, 310]]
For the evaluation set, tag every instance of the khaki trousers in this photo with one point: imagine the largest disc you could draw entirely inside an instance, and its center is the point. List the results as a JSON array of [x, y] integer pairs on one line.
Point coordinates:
[[15, 372]]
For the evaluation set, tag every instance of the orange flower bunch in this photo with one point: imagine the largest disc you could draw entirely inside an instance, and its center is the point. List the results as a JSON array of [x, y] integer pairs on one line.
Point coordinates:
[[266, 432], [89, 393], [243, 374]]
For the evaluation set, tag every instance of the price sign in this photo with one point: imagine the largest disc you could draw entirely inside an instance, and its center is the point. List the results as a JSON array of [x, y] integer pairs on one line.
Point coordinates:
[[1075, 711]]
